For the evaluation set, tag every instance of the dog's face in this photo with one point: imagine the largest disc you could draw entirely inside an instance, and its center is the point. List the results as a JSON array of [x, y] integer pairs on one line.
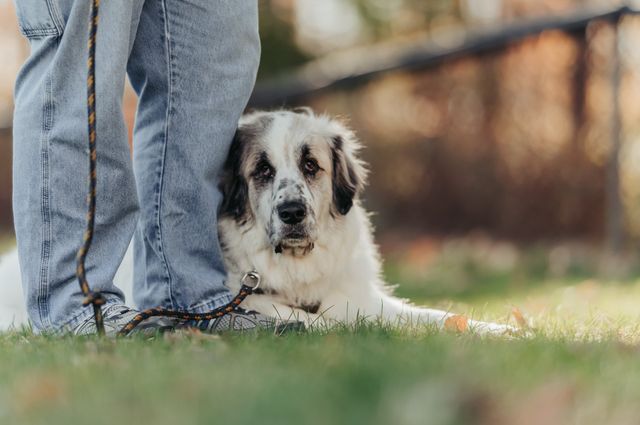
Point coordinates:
[[291, 173]]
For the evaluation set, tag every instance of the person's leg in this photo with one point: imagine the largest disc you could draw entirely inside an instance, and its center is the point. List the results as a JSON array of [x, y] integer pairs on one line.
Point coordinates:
[[193, 65], [51, 156]]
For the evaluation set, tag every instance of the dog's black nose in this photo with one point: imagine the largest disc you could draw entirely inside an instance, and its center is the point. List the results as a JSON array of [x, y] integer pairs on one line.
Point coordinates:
[[292, 212]]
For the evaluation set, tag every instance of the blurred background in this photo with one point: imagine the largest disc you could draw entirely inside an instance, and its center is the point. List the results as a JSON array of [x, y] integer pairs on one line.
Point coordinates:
[[503, 135]]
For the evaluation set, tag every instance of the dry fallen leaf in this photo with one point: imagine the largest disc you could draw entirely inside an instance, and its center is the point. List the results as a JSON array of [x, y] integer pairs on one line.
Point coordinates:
[[519, 318], [456, 323]]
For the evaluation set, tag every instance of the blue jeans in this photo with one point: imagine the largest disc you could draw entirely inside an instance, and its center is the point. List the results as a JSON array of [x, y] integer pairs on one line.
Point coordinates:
[[193, 65]]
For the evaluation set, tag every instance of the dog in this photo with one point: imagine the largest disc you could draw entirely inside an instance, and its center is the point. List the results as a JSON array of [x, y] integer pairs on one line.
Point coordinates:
[[291, 211]]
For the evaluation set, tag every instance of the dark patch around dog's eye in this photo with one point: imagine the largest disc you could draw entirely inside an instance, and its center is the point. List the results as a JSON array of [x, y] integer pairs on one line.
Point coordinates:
[[308, 164], [310, 167], [263, 171]]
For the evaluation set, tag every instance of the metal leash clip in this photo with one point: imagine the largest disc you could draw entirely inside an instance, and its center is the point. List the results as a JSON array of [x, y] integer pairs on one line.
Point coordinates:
[[251, 280]]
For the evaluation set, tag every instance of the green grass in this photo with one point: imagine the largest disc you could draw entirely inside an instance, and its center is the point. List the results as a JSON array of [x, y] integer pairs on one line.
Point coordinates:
[[579, 367], [371, 376]]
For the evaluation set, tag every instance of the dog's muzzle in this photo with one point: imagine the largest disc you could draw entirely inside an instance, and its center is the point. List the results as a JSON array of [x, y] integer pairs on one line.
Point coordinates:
[[292, 221]]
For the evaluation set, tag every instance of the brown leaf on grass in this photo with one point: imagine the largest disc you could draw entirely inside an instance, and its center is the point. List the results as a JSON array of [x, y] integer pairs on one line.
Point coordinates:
[[456, 323], [519, 318]]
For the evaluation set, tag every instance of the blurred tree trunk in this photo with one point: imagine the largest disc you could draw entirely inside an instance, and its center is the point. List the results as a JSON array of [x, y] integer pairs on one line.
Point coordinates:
[[615, 212]]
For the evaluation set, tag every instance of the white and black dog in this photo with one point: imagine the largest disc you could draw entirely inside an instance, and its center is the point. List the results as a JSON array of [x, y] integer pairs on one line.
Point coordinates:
[[291, 212]]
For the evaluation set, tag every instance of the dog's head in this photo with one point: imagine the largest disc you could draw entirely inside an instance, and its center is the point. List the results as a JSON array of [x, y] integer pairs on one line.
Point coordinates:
[[291, 173]]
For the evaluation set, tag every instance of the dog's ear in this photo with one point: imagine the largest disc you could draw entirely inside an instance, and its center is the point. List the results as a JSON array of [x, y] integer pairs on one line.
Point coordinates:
[[349, 174], [233, 185]]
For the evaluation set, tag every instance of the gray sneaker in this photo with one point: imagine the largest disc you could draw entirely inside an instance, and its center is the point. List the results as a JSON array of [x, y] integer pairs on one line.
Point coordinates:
[[117, 315], [242, 320]]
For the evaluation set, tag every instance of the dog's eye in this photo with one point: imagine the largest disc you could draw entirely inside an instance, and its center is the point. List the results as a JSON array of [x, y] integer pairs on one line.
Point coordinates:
[[310, 167], [264, 171]]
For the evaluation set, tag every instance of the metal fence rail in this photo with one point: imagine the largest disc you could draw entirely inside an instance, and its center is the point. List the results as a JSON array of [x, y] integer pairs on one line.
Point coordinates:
[[349, 70], [355, 68]]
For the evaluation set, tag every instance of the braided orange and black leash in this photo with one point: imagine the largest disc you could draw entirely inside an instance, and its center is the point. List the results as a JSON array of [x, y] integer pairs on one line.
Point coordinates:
[[250, 281], [94, 298]]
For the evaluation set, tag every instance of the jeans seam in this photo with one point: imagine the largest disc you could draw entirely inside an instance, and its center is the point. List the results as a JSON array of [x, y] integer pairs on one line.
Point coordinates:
[[162, 162], [56, 16], [45, 207], [39, 32]]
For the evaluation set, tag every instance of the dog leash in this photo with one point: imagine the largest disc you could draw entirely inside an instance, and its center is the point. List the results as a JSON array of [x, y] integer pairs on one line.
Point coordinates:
[[250, 281], [96, 299]]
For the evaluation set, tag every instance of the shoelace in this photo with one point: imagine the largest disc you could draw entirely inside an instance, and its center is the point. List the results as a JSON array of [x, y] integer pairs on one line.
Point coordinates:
[[109, 313]]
